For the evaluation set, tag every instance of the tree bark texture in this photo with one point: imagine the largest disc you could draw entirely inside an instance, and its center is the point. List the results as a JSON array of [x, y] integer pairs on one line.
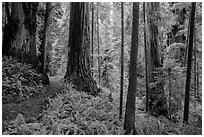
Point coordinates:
[[146, 60], [189, 61], [79, 67], [44, 40], [99, 64], [8, 14], [92, 39], [169, 75], [157, 100], [197, 77], [195, 70], [129, 124], [19, 39], [122, 64]]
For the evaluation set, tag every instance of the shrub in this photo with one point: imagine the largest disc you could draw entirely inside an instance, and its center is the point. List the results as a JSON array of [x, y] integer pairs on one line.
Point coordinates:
[[73, 113], [19, 81]]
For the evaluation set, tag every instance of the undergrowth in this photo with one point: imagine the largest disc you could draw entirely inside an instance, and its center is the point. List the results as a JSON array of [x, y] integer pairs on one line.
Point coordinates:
[[73, 112], [19, 81]]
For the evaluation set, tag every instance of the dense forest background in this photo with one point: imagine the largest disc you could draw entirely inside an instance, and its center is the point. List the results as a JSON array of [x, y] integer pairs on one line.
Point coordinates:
[[102, 68]]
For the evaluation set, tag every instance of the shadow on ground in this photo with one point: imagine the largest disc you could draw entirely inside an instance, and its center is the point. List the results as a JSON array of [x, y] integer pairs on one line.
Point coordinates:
[[33, 106]]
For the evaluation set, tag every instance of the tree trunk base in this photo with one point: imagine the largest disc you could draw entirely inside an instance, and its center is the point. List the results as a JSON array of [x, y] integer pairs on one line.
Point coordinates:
[[86, 84], [45, 79]]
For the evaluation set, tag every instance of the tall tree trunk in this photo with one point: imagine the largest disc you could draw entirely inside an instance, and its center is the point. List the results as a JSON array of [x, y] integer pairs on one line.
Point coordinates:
[[79, 67], [197, 81], [92, 38], [122, 57], [8, 13], [157, 102], [44, 40], [129, 124], [146, 61], [186, 51], [99, 65], [19, 39], [169, 75], [195, 70], [188, 73]]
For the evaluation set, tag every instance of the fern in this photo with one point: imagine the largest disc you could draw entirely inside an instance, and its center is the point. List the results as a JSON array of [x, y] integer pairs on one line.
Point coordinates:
[[19, 81]]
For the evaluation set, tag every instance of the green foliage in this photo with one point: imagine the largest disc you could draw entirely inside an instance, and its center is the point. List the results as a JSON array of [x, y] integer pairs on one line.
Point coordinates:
[[19, 81]]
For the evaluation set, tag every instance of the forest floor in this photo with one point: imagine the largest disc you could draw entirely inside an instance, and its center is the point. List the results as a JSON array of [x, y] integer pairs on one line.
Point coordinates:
[[33, 106], [73, 112]]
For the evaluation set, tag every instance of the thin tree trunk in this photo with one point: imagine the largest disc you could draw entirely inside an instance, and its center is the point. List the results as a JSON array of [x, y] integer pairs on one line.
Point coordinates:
[[186, 51], [188, 73], [169, 74], [44, 40], [195, 71], [129, 124], [146, 61], [92, 38], [122, 67], [197, 79], [78, 66], [99, 70]]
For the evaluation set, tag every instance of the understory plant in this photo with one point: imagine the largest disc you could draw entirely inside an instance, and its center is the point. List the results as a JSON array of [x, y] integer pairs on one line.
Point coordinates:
[[19, 81], [74, 112]]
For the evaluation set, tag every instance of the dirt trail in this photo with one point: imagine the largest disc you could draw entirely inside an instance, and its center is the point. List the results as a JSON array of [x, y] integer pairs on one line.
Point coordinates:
[[31, 107]]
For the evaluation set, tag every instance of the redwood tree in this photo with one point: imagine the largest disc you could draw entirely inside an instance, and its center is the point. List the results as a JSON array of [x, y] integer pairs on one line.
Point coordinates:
[[19, 38], [146, 60], [44, 40], [157, 99], [79, 67], [98, 42], [92, 38], [188, 73], [129, 124]]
